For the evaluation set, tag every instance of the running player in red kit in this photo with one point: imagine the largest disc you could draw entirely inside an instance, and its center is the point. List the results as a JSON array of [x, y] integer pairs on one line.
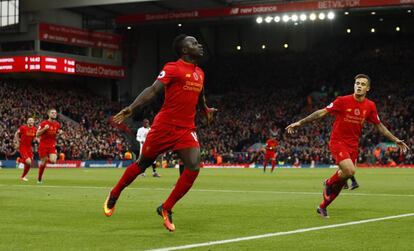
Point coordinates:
[[48, 131], [350, 113], [23, 139], [270, 154], [173, 127]]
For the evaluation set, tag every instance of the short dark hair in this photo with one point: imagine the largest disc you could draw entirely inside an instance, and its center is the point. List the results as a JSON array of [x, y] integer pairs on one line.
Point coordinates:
[[363, 76], [178, 44], [51, 109]]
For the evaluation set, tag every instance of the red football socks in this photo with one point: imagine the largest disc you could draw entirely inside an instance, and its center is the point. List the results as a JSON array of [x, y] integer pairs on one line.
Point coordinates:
[[336, 183], [26, 170], [129, 175], [273, 164], [336, 189], [265, 164], [334, 178], [184, 183], [41, 170]]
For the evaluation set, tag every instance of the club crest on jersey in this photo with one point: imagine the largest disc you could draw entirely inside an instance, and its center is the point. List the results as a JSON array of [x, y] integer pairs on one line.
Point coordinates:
[[162, 74], [195, 75], [357, 112]]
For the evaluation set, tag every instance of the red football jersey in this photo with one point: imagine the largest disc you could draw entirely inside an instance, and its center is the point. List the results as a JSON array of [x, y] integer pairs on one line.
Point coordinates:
[[183, 83], [350, 117], [271, 145], [48, 138], [27, 135]]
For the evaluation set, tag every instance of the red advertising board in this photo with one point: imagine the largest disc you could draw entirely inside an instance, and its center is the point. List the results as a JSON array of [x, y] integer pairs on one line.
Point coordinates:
[[98, 70], [59, 65], [37, 63], [78, 37], [19, 64], [245, 10]]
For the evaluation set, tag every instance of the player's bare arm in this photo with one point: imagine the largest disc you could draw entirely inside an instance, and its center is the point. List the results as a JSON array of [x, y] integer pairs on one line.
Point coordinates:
[[145, 97], [312, 117], [41, 131], [209, 111], [16, 139], [384, 131]]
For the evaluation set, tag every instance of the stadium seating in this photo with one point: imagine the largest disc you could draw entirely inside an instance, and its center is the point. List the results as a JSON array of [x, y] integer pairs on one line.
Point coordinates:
[[255, 100], [87, 133]]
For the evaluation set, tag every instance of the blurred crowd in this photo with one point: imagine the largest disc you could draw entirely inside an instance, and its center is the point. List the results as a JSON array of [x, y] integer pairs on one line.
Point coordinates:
[[257, 97], [267, 92], [82, 114]]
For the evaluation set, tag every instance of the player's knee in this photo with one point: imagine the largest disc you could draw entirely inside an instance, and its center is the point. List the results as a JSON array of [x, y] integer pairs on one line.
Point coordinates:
[[144, 163], [193, 167], [29, 161], [349, 172], [193, 164]]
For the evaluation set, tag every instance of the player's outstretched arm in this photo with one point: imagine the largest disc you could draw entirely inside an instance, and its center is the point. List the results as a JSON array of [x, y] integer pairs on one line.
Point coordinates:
[[384, 131], [146, 96], [313, 116], [208, 111]]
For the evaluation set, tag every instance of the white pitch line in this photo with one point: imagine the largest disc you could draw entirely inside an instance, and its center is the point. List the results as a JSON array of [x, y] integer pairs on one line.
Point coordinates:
[[303, 230], [221, 191]]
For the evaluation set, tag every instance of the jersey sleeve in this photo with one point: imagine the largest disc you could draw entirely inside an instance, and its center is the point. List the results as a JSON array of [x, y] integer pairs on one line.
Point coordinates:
[[42, 124], [335, 107], [168, 73], [373, 116]]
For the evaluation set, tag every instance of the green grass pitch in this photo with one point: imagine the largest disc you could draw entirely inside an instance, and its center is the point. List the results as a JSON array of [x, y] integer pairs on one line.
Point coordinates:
[[65, 212]]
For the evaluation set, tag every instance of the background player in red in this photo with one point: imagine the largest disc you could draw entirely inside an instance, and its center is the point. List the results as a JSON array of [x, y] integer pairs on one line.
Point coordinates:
[[23, 139], [48, 131], [270, 153], [350, 113], [173, 127]]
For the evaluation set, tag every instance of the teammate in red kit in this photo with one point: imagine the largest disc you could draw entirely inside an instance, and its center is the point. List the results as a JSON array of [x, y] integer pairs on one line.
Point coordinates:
[[173, 127], [270, 153], [350, 113], [48, 131], [23, 139]]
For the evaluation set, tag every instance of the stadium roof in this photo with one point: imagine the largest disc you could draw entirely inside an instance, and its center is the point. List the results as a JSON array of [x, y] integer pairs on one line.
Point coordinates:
[[109, 9]]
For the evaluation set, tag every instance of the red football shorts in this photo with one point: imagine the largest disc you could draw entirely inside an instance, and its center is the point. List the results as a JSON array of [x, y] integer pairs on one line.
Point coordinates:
[[25, 154], [340, 152], [45, 151], [163, 137], [270, 155]]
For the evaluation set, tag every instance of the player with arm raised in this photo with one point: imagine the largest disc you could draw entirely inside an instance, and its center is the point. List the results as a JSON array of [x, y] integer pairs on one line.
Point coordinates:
[[173, 127], [350, 113]]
